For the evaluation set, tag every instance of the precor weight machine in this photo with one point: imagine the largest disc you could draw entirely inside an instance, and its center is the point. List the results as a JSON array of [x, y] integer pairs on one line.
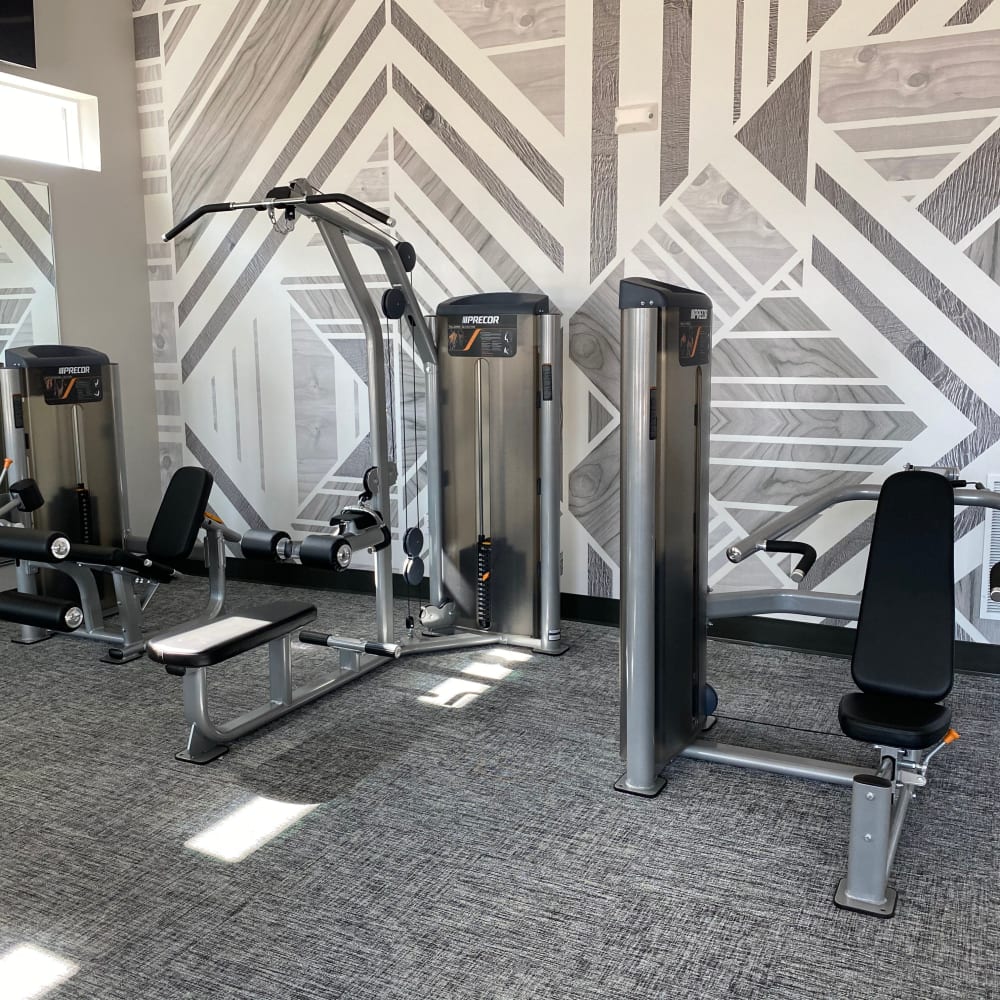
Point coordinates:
[[492, 370], [903, 673]]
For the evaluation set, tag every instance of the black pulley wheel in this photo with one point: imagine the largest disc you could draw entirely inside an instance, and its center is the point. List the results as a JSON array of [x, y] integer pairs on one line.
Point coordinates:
[[413, 570], [407, 255], [413, 542], [28, 494], [393, 303]]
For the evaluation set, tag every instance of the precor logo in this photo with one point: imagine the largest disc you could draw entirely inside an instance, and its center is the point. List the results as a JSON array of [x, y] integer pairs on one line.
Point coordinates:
[[481, 320], [79, 370], [699, 314]]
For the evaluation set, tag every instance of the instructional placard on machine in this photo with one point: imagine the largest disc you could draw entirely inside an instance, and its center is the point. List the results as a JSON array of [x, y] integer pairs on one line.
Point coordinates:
[[483, 337]]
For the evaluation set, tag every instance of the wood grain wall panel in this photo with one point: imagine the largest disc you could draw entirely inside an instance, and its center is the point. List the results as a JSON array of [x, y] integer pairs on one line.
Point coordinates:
[[820, 11], [478, 167], [290, 149], [784, 313], [595, 338], [910, 168], [709, 254], [482, 106], [772, 40], [924, 76], [895, 14], [789, 392], [452, 208], [594, 489], [969, 194], [675, 104], [764, 357], [801, 453], [540, 74], [968, 12], [917, 273], [984, 251], [507, 22], [746, 483], [857, 424], [603, 141], [914, 135], [735, 223]]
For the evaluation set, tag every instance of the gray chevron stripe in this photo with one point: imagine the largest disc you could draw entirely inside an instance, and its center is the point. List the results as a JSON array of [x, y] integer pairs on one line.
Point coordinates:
[[27, 244], [772, 41], [209, 69], [968, 195], [594, 488], [229, 489], [341, 143], [971, 406], [276, 174], [922, 278], [895, 15], [958, 131], [788, 392], [478, 102], [984, 251], [455, 211], [781, 313], [738, 68], [767, 357], [603, 141], [803, 453], [820, 11], [709, 254], [250, 100], [595, 340], [478, 167], [968, 12], [781, 485], [699, 276], [11, 310], [441, 247], [33, 205], [599, 578], [675, 103], [179, 30], [875, 425]]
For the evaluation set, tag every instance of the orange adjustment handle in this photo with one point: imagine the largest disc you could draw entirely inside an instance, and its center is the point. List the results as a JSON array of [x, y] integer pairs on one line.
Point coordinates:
[[950, 737], [218, 520]]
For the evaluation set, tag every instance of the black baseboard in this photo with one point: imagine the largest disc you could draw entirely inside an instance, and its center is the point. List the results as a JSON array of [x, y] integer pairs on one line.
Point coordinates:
[[803, 637]]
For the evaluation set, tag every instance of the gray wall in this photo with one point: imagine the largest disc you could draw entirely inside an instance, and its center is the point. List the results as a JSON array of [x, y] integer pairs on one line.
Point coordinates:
[[97, 217]]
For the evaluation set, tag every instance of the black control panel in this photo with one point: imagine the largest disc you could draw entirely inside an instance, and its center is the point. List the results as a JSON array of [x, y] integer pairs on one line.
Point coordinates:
[[64, 389], [486, 336]]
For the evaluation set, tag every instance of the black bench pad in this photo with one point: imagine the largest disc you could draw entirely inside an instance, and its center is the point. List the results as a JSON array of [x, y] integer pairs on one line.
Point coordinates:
[[204, 643], [906, 723]]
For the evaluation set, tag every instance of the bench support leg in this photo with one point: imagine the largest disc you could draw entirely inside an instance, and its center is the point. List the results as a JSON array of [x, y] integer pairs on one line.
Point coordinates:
[[279, 660], [865, 889], [200, 749]]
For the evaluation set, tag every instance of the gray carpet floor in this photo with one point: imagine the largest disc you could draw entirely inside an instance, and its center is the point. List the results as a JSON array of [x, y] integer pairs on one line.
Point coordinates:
[[475, 851]]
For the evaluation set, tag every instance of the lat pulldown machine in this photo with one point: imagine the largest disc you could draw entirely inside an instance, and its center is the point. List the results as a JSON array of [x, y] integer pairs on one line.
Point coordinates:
[[492, 370], [902, 673]]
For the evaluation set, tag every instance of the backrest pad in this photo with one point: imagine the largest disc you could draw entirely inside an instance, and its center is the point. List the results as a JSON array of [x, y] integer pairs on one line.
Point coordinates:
[[181, 514], [906, 627]]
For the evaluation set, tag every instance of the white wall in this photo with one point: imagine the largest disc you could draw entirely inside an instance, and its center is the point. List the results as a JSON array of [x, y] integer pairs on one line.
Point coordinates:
[[97, 218]]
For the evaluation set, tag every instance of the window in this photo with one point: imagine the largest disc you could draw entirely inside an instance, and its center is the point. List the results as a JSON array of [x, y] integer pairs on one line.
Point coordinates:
[[48, 124]]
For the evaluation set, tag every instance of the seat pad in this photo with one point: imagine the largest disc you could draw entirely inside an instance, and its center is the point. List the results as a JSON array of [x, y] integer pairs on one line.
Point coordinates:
[[204, 643], [906, 723]]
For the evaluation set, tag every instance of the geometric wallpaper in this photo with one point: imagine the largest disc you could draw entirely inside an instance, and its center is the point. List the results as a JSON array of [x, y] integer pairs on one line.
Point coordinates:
[[28, 313], [826, 170]]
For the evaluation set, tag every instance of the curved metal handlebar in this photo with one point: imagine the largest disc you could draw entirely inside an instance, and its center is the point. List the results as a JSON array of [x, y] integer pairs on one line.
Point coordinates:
[[781, 525], [280, 201]]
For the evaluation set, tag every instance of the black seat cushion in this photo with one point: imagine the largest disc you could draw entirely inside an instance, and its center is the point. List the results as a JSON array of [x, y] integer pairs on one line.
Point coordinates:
[[907, 723], [203, 643]]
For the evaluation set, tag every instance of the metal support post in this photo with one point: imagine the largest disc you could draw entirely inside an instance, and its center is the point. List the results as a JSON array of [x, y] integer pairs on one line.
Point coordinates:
[[638, 471], [864, 888], [550, 454]]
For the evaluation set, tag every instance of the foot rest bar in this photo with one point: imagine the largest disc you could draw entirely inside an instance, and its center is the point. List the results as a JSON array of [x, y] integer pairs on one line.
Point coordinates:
[[351, 645], [38, 611]]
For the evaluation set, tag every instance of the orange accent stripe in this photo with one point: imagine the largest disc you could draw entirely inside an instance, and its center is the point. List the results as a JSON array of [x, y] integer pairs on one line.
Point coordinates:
[[485, 576], [475, 334], [694, 346], [69, 388], [212, 517]]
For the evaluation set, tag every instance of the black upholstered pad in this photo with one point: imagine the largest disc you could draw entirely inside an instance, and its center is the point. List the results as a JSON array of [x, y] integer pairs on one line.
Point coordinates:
[[180, 515], [906, 723], [203, 643], [906, 625]]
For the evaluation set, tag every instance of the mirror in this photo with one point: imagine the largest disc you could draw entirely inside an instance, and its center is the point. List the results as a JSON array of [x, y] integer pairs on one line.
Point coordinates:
[[28, 309]]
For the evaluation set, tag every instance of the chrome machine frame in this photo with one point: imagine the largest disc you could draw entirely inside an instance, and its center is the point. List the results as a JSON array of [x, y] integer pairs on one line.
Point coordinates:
[[357, 656]]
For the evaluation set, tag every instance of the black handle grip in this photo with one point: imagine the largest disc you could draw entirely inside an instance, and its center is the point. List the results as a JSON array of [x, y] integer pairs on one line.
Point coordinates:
[[351, 202], [189, 220], [52, 613], [995, 583], [803, 549], [28, 494], [313, 638]]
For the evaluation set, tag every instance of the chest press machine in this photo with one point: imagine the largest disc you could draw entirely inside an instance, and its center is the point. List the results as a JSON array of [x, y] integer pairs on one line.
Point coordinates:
[[902, 673], [492, 371]]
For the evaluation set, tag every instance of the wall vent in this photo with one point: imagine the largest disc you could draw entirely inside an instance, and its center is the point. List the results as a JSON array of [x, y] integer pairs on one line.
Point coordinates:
[[991, 554]]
